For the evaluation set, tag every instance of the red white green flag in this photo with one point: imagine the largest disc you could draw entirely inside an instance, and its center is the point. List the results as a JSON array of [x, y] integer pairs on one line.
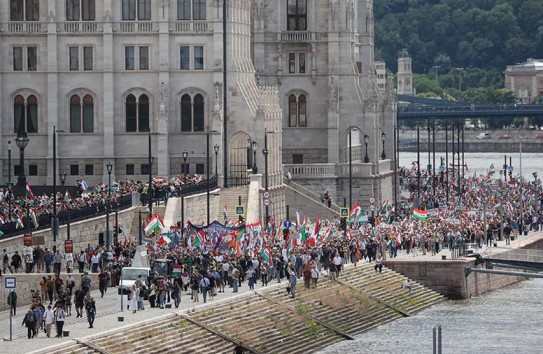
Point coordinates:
[[265, 253], [420, 214], [29, 194], [154, 224]]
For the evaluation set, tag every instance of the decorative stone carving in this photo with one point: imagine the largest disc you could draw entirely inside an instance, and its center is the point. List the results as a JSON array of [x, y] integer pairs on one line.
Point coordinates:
[[217, 101], [333, 99], [333, 13], [107, 16], [163, 106], [51, 16]]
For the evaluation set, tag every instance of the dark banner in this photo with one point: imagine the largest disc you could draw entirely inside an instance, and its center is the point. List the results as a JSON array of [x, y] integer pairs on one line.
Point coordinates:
[[216, 226]]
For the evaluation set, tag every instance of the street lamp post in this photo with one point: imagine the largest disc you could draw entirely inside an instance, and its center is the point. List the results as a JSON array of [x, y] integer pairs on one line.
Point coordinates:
[[216, 149], [22, 141], [10, 184], [109, 167], [266, 152], [366, 141], [54, 223], [209, 132], [62, 178], [150, 191], [351, 167], [185, 156], [254, 146]]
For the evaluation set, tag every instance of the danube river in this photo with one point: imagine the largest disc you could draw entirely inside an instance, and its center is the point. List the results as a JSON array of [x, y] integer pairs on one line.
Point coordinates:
[[480, 162], [508, 320]]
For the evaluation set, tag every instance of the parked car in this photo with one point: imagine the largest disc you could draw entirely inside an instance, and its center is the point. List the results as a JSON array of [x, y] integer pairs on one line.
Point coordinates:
[[504, 137], [484, 135]]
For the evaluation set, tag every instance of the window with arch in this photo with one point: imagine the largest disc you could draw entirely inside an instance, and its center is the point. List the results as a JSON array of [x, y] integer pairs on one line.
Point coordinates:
[[25, 114], [83, 10], [140, 9], [137, 113], [24, 10], [81, 114], [297, 15], [192, 113], [191, 9], [297, 110]]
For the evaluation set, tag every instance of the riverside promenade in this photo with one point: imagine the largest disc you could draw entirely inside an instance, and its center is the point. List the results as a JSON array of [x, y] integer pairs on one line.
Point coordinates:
[[109, 308]]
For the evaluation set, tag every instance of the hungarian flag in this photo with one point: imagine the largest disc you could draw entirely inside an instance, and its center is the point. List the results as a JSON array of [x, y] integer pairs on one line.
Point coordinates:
[[420, 214], [198, 240], [164, 239], [265, 253], [19, 223], [155, 223], [356, 209], [303, 232], [29, 194], [66, 195], [34, 218]]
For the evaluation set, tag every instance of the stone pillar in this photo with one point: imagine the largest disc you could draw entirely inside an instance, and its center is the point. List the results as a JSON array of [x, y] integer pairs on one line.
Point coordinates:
[[108, 95], [50, 98], [165, 106]]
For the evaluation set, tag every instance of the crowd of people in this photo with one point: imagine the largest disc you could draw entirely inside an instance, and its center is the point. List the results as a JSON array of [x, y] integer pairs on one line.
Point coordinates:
[[482, 210]]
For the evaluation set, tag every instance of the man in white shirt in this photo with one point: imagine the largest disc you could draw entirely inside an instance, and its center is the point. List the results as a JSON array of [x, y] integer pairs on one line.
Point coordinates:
[[337, 262], [94, 260], [48, 318]]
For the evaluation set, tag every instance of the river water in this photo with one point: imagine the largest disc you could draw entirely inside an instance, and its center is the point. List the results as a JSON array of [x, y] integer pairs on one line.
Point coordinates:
[[508, 320], [480, 162]]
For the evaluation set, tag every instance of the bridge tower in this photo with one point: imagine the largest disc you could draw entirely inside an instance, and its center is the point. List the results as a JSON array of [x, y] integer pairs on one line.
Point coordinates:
[[405, 74]]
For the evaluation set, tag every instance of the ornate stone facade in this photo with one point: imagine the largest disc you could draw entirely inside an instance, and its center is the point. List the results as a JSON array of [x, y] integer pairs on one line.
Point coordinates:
[[305, 77]]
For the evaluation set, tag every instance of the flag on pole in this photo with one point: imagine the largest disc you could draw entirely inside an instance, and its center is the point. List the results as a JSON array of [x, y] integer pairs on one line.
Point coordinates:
[[316, 228], [84, 185], [66, 195], [198, 240], [356, 209], [420, 214], [19, 223], [303, 232], [153, 224], [34, 218], [491, 170], [29, 194], [266, 255]]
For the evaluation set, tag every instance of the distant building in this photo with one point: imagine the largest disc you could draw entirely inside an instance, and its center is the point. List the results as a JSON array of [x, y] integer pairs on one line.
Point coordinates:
[[381, 71], [525, 80], [405, 74]]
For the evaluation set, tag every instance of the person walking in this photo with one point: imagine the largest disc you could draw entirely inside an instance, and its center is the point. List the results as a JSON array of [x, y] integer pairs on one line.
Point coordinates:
[[30, 322], [48, 318], [60, 316], [204, 287], [133, 305], [293, 280], [176, 293], [102, 282], [12, 302], [90, 306]]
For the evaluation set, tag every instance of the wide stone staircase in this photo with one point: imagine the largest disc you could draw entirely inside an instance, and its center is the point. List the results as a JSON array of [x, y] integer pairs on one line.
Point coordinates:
[[230, 199], [174, 334], [270, 321], [73, 348]]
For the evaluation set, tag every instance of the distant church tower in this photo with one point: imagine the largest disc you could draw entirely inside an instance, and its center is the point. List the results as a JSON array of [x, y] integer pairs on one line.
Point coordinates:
[[405, 74]]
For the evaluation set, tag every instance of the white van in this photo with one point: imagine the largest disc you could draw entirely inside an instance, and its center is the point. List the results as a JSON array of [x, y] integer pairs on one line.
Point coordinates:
[[484, 135], [129, 275]]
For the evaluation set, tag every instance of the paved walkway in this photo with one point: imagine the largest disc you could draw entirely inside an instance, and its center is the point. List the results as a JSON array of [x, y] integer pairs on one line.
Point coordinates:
[[108, 311]]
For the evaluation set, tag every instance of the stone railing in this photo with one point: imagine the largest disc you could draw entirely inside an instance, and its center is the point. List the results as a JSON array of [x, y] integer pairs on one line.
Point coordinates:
[[297, 36], [23, 27], [311, 170], [191, 26], [135, 26], [80, 27]]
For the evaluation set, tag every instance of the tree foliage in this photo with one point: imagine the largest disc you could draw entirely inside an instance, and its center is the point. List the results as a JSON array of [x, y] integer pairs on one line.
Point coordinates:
[[485, 34]]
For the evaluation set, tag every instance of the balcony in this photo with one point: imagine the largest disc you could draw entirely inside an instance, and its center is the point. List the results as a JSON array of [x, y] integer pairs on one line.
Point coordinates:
[[331, 170], [135, 26], [191, 27], [23, 27], [80, 27], [297, 36]]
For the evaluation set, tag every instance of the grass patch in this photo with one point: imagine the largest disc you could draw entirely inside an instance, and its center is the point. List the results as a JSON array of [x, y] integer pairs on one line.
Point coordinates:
[[302, 309]]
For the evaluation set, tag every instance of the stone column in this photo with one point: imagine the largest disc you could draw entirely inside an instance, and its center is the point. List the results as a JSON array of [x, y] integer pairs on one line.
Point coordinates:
[[50, 98], [165, 108], [108, 95]]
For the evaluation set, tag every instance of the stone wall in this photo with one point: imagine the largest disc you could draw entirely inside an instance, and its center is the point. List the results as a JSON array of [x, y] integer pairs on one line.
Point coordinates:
[[307, 206], [81, 233], [28, 282], [448, 277]]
